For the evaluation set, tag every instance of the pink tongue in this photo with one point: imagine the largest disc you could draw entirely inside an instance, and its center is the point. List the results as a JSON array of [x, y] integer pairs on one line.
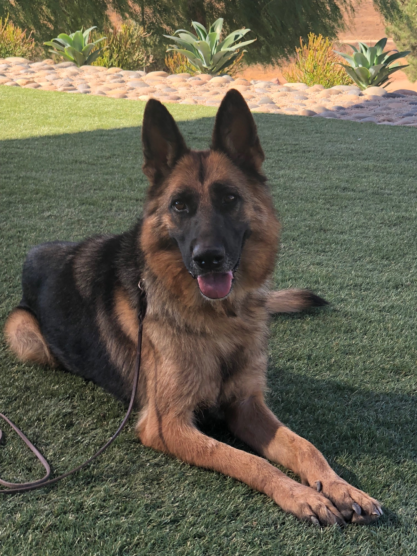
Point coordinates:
[[215, 285]]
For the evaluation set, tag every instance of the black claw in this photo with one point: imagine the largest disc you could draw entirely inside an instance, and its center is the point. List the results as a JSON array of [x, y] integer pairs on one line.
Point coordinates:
[[356, 508], [319, 486]]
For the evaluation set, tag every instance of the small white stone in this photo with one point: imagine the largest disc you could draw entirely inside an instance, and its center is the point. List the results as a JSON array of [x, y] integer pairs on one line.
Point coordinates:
[[178, 76], [265, 100], [137, 84], [219, 79], [320, 108], [298, 86], [17, 60], [375, 91], [315, 88], [342, 87], [66, 65], [152, 74]]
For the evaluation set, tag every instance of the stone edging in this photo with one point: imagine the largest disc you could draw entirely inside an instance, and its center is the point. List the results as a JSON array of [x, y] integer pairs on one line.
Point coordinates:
[[345, 102]]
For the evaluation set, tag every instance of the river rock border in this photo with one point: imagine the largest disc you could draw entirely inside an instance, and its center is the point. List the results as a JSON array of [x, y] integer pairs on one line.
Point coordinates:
[[343, 102]]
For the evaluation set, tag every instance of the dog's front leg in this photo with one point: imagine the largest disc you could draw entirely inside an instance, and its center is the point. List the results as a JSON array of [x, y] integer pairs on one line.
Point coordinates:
[[179, 437], [253, 422]]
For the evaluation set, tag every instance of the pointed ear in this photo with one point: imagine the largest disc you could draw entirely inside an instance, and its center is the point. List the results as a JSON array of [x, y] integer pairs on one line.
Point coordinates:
[[163, 144], [235, 132]]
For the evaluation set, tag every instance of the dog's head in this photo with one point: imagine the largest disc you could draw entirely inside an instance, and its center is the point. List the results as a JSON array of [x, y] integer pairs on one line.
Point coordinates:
[[208, 213]]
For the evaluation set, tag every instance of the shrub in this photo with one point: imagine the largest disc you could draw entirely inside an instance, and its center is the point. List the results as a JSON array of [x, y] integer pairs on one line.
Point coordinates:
[[205, 51], [127, 48], [177, 63], [75, 47], [237, 65], [316, 64], [369, 66], [403, 29], [14, 41]]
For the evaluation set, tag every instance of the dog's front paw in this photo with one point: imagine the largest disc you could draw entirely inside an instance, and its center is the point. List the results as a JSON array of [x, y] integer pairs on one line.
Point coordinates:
[[308, 505], [355, 505]]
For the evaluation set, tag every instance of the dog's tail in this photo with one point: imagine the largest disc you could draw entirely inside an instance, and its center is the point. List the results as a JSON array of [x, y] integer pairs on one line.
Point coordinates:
[[293, 301]]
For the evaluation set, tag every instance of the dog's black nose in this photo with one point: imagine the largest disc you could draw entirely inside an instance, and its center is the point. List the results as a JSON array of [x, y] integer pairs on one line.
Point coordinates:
[[208, 258]]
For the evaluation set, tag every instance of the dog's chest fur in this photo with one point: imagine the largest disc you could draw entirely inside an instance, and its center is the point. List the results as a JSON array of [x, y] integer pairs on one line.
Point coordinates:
[[206, 356]]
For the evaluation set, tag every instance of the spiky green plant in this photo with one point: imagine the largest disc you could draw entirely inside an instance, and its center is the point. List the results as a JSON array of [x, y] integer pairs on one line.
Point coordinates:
[[369, 66], [206, 52], [76, 48], [125, 48]]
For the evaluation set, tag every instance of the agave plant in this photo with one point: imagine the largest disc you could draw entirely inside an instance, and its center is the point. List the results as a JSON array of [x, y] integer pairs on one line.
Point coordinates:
[[205, 51], [76, 48], [369, 66]]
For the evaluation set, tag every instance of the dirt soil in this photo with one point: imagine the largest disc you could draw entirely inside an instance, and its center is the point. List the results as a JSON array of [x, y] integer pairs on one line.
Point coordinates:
[[367, 25]]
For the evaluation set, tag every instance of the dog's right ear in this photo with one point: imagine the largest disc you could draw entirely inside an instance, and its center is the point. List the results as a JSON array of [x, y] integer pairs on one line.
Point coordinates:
[[163, 144]]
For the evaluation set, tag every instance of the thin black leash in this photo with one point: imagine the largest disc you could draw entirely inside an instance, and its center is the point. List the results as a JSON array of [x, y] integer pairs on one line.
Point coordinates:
[[12, 488]]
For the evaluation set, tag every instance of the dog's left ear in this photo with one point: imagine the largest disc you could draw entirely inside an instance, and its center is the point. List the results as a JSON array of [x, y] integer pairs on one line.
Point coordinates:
[[163, 144], [235, 132]]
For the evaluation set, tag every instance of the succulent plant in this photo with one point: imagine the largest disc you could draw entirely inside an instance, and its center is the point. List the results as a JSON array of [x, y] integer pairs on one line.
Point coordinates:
[[205, 50], [76, 48], [369, 66]]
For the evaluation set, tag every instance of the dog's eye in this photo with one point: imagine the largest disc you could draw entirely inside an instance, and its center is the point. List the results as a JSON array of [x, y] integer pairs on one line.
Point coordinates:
[[179, 206], [230, 198]]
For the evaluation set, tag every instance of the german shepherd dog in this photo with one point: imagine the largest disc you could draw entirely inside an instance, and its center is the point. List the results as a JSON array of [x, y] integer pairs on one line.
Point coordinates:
[[204, 251]]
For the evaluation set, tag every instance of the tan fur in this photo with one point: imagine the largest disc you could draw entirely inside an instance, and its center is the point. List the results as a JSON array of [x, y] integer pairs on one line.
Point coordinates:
[[190, 338], [207, 354], [213, 354], [125, 315], [262, 245], [288, 301], [24, 338]]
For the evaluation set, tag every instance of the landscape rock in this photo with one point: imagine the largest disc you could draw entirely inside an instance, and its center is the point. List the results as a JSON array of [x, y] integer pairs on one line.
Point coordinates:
[[16, 60], [66, 65], [265, 100], [298, 86], [375, 91], [342, 87], [347, 102], [220, 79], [152, 74], [406, 92]]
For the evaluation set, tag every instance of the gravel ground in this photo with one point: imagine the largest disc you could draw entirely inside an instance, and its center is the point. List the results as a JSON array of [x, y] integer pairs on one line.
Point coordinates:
[[343, 102]]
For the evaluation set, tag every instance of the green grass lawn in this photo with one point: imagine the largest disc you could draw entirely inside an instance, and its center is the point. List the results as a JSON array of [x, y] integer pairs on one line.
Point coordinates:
[[345, 378]]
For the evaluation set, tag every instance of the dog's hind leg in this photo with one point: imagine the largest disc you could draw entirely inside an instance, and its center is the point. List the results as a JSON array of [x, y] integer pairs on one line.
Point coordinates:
[[293, 301], [24, 337]]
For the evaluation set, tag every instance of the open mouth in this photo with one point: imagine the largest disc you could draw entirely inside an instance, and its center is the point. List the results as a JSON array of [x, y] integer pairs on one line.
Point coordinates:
[[215, 285]]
